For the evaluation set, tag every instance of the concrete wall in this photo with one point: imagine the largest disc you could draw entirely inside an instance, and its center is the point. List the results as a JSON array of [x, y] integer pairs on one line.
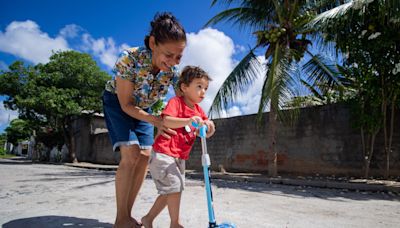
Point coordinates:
[[322, 141], [92, 143]]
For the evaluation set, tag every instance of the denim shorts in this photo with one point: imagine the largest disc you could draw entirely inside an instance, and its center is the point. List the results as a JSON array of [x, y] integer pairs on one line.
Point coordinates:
[[124, 129]]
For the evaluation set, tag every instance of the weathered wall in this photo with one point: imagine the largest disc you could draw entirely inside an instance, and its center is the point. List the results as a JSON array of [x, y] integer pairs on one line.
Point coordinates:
[[322, 141], [92, 143]]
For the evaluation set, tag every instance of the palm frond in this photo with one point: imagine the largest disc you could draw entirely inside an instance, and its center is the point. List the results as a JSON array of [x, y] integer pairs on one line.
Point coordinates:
[[254, 16], [325, 17], [322, 73], [242, 17], [238, 80], [225, 2], [278, 84], [312, 89], [387, 9]]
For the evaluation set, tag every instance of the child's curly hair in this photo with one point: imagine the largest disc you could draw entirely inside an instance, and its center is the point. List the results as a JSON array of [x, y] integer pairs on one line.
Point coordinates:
[[191, 72]]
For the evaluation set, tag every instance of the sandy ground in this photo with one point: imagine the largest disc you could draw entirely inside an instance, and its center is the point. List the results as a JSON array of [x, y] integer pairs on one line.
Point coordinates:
[[37, 195]]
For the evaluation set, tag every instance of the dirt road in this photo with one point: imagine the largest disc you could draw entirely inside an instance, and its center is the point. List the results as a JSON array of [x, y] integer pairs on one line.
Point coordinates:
[[37, 195]]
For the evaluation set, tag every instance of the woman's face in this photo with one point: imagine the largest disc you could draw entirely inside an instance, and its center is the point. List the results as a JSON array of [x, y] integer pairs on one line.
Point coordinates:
[[166, 55]]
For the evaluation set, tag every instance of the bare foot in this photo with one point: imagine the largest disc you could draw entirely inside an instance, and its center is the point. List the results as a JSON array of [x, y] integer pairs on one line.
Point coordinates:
[[146, 222], [176, 225], [125, 224], [137, 224]]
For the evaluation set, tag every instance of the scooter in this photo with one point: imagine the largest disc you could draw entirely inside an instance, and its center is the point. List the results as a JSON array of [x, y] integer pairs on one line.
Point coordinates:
[[206, 163]]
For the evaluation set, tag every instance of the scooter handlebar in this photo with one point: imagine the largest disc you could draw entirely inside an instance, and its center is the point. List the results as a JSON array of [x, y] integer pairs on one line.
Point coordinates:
[[203, 129]]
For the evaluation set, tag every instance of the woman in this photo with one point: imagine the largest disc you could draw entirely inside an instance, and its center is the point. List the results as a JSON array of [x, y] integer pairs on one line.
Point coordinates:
[[142, 77]]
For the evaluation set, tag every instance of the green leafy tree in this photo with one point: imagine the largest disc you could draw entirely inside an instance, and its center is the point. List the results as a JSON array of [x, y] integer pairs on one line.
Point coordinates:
[[3, 140], [50, 95], [19, 130], [279, 27], [362, 29]]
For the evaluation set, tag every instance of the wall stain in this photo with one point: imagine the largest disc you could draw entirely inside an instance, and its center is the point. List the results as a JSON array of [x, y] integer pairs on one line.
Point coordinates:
[[257, 159]]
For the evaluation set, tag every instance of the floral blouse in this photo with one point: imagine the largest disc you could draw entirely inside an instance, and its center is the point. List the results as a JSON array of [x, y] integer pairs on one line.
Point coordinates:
[[134, 64]]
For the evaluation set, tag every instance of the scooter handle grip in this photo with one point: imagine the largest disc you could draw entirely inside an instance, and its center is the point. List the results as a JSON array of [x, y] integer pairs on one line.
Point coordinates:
[[203, 129]]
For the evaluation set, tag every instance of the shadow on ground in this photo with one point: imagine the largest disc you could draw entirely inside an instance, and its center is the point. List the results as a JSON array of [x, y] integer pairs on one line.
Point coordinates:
[[304, 191], [53, 221], [15, 161]]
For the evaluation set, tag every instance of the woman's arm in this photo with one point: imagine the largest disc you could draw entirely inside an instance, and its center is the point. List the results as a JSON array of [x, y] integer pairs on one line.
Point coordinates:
[[126, 101], [124, 93]]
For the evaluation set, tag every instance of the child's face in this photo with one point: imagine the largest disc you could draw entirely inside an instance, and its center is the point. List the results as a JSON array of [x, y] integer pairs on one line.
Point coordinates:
[[195, 92]]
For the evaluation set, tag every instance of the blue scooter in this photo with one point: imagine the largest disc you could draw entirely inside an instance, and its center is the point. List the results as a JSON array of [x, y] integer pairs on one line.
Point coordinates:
[[205, 161]]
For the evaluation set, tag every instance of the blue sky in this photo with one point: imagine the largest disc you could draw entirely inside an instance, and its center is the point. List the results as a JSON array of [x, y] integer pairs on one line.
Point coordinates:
[[30, 30]]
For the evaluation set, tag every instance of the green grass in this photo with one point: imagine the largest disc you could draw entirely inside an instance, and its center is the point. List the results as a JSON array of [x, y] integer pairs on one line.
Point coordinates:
[[7, 155]]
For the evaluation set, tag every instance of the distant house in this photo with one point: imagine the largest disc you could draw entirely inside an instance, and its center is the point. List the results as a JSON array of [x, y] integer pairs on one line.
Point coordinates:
[[22, 148], [91, 140]]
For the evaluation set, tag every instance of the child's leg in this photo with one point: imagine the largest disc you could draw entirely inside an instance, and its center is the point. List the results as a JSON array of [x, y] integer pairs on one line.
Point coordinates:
[[174, 202], [155, 210]]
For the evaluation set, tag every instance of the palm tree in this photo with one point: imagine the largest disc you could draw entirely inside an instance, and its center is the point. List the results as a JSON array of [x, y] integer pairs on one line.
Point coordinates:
[[279, 26]]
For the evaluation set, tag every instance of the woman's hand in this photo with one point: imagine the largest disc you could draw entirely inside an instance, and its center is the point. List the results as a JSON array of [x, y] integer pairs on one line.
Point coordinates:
[[161, 129], [210, 128], [167, 132]]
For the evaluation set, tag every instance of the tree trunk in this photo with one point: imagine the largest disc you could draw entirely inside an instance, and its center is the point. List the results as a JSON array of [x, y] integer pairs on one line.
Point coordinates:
[[385, 135], [272, 154], [71, 149], [370, 152], [69, 140], [392, 113], [366, 165]]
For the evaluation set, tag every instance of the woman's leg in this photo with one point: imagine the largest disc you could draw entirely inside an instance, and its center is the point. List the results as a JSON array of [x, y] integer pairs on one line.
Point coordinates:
[[138, 177], [124, 179]]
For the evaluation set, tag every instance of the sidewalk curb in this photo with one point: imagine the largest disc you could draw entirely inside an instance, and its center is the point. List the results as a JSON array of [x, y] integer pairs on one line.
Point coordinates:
[[92, 166], [244, 177], [299, 182]]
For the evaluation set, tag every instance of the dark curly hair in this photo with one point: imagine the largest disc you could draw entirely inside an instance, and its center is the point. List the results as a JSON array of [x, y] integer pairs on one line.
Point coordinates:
[[189, 73], [165, 27]]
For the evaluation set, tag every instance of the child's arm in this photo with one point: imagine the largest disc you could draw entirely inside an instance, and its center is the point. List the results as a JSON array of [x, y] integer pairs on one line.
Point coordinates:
[[177, 122]]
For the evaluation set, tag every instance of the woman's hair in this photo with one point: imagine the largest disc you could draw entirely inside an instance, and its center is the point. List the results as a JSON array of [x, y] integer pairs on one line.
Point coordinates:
[[189, 73], [165, 27]]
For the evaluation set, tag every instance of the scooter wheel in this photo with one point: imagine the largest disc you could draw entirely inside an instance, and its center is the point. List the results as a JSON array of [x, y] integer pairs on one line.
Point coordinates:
[[227, 225]]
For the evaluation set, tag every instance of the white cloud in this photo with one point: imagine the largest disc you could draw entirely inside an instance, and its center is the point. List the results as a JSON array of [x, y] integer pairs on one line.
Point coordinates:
[[70, 31], [250, 100], [209, 48], [212, 50], [103, 48], [26, 40], [240, 48], [6, 115], [232, 111]]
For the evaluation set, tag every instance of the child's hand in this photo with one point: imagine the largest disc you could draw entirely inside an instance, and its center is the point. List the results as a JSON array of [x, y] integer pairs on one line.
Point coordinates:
[[196, 119], [210, 128]]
